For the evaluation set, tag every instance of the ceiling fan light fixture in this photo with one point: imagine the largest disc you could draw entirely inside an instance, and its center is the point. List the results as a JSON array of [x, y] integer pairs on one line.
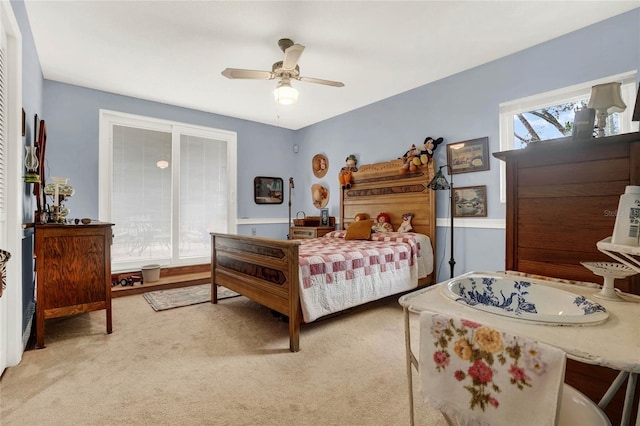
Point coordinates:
[[285, 94]]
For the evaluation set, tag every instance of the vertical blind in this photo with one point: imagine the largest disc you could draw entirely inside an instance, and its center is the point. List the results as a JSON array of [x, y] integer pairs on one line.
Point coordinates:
[[141, 194], [170, 189]]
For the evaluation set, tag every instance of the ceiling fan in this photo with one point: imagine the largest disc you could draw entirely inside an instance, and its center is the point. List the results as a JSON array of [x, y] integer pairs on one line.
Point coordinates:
[[284, 70]]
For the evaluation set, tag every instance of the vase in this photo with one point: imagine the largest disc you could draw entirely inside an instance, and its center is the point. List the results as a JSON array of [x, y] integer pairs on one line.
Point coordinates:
[[31, 164]]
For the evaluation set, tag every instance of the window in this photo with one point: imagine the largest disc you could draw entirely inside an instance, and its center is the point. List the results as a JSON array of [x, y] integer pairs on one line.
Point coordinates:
[[165, 186], [550, 115]]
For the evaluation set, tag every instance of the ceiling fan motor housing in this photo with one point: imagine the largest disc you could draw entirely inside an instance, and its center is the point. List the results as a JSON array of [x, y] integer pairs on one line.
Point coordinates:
[[279, 72]]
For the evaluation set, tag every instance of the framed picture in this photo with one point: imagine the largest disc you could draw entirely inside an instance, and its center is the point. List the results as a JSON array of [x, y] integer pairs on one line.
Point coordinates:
[[468, 156], [470, 201], [324, 217], [267, 190], [583, 123]]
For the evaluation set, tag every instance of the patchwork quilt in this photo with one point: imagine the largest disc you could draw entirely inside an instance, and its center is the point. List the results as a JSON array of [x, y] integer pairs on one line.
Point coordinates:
[[336, 274], [332, 258]]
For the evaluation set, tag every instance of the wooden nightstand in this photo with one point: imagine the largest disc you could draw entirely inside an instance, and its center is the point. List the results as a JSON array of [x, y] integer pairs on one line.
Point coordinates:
[[305, 232]]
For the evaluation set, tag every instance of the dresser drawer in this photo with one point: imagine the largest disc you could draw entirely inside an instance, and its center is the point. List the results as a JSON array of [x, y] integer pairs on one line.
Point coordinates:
[[305, 232]]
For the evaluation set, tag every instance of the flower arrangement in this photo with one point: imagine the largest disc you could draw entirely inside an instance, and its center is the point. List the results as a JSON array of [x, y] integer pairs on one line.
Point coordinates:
[[480, 353]]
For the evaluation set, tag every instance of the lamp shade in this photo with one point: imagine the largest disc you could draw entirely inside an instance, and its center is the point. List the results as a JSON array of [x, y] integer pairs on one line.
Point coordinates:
[[607, 97], [439, 182], [284, 94]]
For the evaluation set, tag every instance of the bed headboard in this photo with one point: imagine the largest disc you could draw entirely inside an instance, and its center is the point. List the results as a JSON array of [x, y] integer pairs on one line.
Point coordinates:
[[380, 187]]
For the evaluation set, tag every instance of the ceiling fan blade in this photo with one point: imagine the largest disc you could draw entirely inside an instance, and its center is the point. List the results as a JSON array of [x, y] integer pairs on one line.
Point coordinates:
[[292, 56], [250, 74], [321, 81]]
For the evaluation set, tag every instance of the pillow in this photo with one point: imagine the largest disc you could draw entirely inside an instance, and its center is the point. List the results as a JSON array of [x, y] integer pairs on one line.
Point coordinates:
[[360, 230]]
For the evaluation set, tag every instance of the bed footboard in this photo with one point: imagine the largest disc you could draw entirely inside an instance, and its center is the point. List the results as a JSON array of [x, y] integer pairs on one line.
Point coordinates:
[[262, 269]]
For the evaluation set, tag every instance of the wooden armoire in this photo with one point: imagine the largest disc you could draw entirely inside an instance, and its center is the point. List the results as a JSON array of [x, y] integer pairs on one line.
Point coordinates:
[[562, 197]]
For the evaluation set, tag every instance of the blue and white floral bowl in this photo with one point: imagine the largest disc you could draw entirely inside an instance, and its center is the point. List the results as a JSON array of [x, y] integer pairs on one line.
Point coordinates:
[[522, 299]]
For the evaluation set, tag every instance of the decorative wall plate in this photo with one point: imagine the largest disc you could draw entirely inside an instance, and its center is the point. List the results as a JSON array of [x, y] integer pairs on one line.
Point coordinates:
[[319, 165], [319, 195]]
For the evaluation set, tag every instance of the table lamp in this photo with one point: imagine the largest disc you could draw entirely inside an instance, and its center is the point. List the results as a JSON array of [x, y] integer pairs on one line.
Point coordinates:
[[606, 99]]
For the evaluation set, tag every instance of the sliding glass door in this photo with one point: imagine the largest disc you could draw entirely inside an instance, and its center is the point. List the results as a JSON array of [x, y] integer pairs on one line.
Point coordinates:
[[165, 186]]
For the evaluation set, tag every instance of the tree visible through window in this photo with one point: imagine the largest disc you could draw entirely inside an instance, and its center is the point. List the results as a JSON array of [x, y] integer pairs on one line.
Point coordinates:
[[550, 115], [553, 122]]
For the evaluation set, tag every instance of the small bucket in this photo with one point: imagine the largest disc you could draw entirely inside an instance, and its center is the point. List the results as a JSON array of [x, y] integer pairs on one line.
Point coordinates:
[[150, 273]]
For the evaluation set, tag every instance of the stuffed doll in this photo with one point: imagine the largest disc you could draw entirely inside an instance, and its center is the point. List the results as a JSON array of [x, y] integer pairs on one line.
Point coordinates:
[[408, 160], [405, 226], [418, 156], [426, 151], [383, 223], [345, 173]]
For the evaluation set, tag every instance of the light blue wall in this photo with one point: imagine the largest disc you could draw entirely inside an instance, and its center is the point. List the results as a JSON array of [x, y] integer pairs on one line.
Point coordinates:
[[72, 115], [457, 108], [32, 82], [466, 106]]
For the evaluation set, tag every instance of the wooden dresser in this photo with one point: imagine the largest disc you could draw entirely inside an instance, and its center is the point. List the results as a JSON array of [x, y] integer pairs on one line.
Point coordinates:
[[73, 271], [562, 198]]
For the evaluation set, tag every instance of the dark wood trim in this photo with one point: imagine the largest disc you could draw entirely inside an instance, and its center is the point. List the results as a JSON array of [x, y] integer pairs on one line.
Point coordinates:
[[171, 277]]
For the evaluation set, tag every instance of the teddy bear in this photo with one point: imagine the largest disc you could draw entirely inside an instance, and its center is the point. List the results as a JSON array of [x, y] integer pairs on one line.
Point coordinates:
[[360, 216], [418, 156], [344, 177], [408, 160]]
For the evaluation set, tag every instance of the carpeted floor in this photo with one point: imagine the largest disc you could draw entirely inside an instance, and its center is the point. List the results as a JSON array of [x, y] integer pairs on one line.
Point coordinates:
[[206, 364], [162, 300]]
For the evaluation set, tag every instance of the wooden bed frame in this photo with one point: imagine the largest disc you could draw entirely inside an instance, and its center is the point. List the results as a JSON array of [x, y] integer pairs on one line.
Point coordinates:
[[266, 270]]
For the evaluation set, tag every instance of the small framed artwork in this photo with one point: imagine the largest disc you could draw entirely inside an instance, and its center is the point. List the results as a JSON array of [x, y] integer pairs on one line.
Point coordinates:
[[468, 156], [470, 201], [324, 217], [583, 123], [267, 190]]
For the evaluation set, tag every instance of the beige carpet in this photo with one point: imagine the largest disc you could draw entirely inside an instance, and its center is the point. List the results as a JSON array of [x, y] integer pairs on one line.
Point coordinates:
[[206, 364]]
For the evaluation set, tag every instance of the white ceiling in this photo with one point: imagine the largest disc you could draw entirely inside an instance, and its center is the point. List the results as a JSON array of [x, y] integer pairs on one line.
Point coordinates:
[[174, 51]]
